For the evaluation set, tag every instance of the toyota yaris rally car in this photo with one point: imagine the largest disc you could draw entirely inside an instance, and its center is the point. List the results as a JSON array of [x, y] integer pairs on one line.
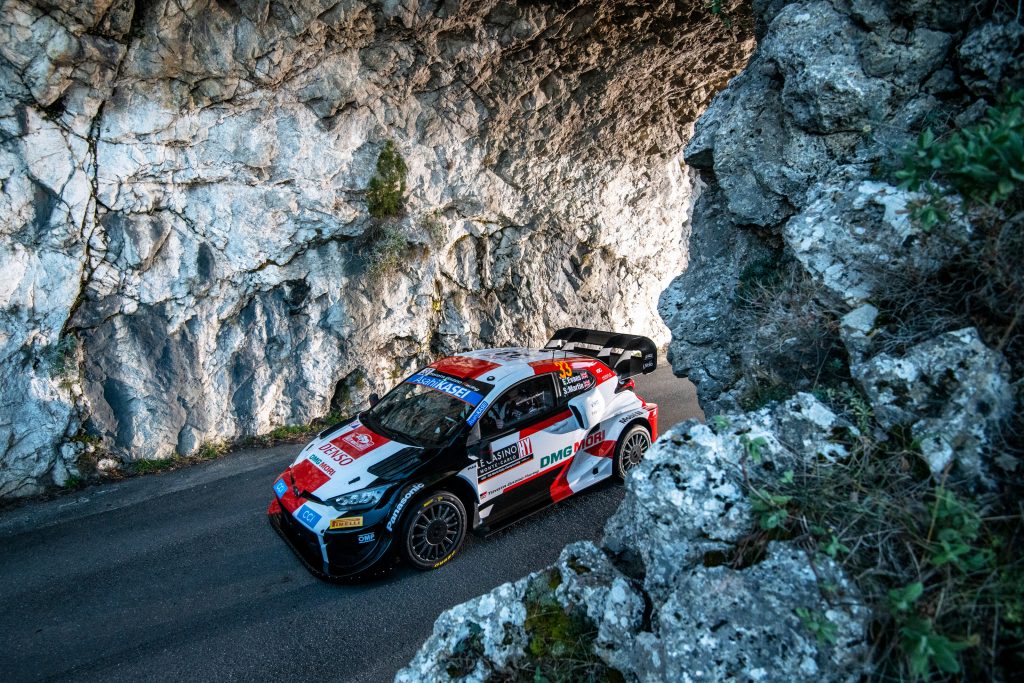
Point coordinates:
[[472, 442]]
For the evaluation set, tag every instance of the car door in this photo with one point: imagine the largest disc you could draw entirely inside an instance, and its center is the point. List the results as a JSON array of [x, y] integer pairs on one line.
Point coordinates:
[[529, 434]]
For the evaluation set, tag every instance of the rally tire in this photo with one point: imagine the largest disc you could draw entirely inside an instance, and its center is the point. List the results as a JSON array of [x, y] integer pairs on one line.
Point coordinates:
[[434, 530], [630, 449]]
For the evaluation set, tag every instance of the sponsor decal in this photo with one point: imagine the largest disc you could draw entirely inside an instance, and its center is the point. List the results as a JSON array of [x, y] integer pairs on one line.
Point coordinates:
[[319, 462], [591, 440], [475, 415], [360, 440], [648, 362], [347, 523], [336, 454], [280, 488], [401, 505], [366, 538], [308, 516], [447, 386], [632, 415], [505, 459], [558, 456]]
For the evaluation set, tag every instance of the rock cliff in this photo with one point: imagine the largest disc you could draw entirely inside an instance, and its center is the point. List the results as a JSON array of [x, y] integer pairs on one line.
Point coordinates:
[[187, 250], [800, 535]]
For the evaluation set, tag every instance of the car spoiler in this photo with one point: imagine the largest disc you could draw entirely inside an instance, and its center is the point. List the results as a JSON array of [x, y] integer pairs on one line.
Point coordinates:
[[626, 354]]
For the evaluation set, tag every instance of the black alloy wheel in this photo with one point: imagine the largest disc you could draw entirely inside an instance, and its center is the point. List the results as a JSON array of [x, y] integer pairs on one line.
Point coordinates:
[[630, 450], [434, 531]]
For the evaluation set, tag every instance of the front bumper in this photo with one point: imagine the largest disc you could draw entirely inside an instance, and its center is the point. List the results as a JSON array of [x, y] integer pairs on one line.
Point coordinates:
[[333, 555]]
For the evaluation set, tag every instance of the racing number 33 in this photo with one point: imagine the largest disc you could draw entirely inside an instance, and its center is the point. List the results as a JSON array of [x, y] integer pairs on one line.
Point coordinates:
[[564, 369]]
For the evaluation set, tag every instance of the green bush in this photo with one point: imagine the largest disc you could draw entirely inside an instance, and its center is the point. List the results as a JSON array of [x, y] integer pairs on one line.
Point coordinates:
[[982, 163], [386, 194]]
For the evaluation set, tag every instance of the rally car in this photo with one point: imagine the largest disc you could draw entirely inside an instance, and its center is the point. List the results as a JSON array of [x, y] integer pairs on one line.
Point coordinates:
[[472, 442]]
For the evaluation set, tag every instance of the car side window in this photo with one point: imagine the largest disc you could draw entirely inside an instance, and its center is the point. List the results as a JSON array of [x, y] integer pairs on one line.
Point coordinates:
[[519, 406]]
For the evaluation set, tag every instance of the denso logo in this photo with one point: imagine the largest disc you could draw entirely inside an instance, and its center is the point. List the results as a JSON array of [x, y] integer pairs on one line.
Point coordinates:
[[336, 454], [360, 441], [401, 505]]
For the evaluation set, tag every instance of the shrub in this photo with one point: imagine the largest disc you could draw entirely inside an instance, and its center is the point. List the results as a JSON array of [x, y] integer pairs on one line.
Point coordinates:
[[983, 163], [434, 227], [386, 193], [976, 176], [941, 574], [387, 246]]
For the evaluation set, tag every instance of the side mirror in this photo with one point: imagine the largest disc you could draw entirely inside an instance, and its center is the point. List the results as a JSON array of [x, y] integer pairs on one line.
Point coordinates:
[[588, 409], [374, 399]]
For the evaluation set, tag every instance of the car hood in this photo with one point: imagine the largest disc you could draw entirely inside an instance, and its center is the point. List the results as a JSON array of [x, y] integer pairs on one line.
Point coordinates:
[[339, 461]]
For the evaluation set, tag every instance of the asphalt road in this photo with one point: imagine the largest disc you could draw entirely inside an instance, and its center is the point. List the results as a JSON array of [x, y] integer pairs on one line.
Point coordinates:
[[178, 576]]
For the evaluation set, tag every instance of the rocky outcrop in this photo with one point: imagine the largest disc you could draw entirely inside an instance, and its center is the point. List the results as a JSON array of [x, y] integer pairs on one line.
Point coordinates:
[[795, 153], [184, 216], [666, 597], [802, 247]]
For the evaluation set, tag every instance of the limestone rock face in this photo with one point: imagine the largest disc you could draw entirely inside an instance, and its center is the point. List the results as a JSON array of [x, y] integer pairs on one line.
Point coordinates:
[[664, 598], [951, 390], [793, 154], [185, 232]]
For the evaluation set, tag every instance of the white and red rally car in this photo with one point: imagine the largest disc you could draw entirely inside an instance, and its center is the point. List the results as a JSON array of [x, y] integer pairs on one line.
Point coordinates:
[[471, 442]]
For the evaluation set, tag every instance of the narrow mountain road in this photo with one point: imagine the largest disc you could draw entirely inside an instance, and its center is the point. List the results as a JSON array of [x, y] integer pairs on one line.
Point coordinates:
[[178, 576]]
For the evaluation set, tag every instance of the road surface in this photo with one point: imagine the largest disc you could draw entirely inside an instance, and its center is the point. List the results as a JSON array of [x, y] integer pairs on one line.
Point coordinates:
[[178, 576]]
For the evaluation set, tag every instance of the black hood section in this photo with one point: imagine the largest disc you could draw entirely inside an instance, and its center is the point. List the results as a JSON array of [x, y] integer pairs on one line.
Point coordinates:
[[401, 464]]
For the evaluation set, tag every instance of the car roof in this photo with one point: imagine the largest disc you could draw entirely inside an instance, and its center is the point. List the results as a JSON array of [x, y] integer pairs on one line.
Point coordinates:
[[500, 367]]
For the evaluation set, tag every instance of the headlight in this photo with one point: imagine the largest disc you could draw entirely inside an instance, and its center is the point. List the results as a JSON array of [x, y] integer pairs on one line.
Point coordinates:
[[364, 498]]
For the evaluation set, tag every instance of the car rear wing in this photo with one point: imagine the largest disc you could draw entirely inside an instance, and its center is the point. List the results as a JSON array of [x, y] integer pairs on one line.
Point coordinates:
[[626, 354]]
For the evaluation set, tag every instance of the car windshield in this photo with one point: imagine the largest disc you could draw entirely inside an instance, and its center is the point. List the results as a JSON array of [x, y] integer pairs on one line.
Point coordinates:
[[419, 414]]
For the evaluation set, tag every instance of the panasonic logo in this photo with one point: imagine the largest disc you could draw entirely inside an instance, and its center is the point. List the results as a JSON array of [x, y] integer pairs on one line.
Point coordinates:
[[401, 506]]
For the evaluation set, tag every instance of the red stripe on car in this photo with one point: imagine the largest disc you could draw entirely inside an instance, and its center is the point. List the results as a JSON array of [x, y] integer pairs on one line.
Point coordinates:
[[605, 449], [544, 424], [560, 486], [464, 368], [652, 419], [563, 465]]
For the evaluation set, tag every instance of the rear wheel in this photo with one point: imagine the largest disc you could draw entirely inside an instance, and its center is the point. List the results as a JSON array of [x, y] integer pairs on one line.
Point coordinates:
[[434, 530], [630, 450]]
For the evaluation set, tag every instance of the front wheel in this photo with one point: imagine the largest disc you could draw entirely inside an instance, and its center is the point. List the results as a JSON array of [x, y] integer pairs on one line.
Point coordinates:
[[630, 450], [434, 531]]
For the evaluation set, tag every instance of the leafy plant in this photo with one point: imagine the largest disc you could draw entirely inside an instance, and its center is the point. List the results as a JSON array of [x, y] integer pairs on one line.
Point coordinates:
[[770, 508], [983, 163], [753, 448], [955, 529], [386, 193], [903, 599], [818, 624], [925, 648]]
